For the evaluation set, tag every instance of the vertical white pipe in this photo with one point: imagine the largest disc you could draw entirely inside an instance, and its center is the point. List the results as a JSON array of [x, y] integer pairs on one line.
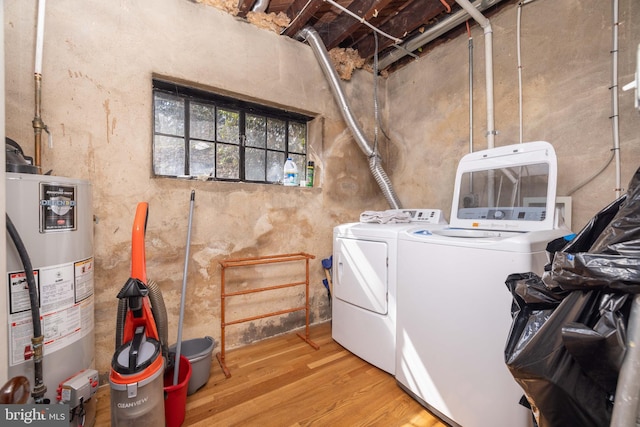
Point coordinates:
[[614, 97], [40, 36], [470, 94], [488, 49], [518, 29]]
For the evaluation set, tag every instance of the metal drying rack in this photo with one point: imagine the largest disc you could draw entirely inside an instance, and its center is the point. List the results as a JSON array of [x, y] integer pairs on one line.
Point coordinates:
[[245, 262]]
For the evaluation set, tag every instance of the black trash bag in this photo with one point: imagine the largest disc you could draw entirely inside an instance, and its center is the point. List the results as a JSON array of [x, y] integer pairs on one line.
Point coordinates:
[[600, 349], [568, 335], [612, 260], [556, 386]]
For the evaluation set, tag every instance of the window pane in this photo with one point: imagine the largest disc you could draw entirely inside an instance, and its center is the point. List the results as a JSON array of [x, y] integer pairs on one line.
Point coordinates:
[[256, 130], [275, 162], [168, 155], [276, 133], [228, 126], [254, 164], [169, 114], [202, 123], [297, 137], [202, 158], [228, 161]]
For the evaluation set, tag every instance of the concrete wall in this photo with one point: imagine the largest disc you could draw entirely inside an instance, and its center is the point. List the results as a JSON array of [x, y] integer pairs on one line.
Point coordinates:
[[99, 59], [566, 72]]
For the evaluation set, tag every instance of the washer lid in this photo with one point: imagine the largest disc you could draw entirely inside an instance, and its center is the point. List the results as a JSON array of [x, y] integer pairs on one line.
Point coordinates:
[[511, 188]]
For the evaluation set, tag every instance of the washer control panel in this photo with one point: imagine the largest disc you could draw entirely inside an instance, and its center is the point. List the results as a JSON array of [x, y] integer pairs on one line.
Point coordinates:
[[428, 216]]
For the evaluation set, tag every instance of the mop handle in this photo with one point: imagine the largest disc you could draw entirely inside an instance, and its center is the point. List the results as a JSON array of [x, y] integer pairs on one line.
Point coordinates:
[[176, 367]]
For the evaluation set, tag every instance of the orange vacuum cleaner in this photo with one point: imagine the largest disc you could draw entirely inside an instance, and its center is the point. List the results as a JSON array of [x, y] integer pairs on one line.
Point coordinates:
[[137, 366]]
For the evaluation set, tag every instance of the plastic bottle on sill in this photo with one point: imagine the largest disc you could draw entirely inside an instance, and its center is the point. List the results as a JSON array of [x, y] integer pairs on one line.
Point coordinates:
[[290, 177]]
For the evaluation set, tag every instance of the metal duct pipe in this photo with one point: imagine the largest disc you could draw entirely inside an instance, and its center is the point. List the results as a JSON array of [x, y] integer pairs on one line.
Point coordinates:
[[260, 6], [311, 36], [434, 32]]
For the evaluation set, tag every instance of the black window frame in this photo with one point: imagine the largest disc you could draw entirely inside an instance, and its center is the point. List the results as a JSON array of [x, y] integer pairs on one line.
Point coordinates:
[[190, 95]]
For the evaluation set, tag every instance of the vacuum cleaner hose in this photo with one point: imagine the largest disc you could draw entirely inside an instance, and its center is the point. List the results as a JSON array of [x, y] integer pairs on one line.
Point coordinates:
[[121, 316], [159, 311]]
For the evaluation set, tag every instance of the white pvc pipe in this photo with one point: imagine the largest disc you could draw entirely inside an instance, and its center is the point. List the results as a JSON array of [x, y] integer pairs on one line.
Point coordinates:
[[40, 36], [488, 49], [518, 30]]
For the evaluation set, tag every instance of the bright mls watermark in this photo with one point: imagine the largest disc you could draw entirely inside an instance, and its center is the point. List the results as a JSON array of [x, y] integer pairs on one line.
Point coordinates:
[[34, 415]]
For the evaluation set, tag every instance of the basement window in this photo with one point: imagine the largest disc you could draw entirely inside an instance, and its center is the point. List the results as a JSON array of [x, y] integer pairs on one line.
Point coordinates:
[[198, 134]]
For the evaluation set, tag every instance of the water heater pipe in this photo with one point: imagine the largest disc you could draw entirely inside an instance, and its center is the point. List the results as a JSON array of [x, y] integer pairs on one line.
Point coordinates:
[[38, 125], [311, 36], [488, 49]]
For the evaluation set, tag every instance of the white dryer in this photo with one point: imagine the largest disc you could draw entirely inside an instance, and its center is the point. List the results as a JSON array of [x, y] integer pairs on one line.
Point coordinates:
[[364, 286], [453, 306]]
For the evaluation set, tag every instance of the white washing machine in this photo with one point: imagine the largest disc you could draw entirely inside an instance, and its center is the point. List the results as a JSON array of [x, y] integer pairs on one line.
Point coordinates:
[[453, 306], [364, 286]]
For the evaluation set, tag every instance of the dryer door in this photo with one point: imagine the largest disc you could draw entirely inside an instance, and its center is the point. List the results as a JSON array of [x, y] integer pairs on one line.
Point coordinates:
[[361, 273]]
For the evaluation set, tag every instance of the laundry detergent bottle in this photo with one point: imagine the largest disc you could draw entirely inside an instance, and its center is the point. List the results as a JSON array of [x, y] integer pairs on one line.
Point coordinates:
[[290, 176]]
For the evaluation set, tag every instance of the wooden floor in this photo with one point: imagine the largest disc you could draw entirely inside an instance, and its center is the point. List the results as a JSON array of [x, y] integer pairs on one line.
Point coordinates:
[[283, 381]]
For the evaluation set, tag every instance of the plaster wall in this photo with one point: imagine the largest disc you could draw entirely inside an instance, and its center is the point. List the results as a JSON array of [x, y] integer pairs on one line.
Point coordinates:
[[566, 73], [99, 60]]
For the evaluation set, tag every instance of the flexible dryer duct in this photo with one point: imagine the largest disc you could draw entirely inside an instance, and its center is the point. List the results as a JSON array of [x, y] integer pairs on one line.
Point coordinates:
[[311, 36]]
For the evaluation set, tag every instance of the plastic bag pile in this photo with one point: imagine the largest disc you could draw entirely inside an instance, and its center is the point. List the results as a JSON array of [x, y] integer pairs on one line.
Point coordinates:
[[567, 339]]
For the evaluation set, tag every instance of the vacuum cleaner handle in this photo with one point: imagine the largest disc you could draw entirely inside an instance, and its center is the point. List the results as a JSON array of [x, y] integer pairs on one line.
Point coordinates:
[[138, 260]]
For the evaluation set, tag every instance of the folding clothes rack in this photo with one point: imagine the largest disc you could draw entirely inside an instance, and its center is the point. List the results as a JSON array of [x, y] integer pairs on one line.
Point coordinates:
[[244, 262]]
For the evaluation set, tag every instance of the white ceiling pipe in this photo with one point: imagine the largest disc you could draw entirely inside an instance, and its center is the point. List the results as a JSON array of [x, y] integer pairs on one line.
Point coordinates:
[[488, 49], [39, 37]]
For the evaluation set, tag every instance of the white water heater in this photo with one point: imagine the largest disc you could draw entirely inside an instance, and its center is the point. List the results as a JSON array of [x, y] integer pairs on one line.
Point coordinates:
[[53, 216]]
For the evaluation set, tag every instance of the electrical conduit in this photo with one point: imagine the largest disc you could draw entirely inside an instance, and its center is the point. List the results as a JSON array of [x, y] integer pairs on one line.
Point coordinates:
[[312, 37]]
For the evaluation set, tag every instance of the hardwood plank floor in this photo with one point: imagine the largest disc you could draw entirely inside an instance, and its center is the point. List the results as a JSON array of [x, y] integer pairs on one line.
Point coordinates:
[[282, 381]]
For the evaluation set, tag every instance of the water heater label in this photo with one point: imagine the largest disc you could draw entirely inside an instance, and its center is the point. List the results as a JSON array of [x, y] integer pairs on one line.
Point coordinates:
[[58, 206], [66, 303]]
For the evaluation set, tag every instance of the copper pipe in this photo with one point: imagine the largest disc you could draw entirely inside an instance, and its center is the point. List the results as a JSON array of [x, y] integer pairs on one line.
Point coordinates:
[[37, 123]]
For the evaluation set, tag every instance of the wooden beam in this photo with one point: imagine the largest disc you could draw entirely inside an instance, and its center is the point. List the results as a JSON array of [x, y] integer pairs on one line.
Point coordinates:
[[410, 18], [344, 25], [300, 12], [244, 6]]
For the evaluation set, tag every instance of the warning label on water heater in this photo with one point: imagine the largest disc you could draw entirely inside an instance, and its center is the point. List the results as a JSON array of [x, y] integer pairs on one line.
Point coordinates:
[[58, 206]]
